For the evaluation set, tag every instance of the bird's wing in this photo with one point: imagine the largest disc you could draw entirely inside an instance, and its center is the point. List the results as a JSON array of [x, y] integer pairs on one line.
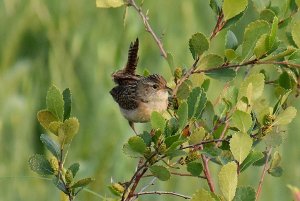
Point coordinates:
[[125, 96]]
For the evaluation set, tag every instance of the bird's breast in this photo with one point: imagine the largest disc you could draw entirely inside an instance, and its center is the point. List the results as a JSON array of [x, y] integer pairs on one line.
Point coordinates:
[[156, 102]]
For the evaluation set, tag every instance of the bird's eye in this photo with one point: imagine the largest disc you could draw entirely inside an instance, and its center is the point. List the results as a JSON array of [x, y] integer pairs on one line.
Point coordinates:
[[155, 86]]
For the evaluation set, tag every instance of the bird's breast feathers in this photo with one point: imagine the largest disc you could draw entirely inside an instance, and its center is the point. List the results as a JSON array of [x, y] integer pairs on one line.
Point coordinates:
[[142, 113]]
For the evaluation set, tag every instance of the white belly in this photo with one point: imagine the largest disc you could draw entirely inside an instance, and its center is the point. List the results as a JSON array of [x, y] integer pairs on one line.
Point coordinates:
[[158, 103]]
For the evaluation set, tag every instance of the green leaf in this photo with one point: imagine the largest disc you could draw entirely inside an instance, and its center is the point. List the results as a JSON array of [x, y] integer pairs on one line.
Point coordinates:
[[285, 117], [68, 130], [39, 164], [252, 33], [60, 185], [45, 117], [197, 135], [250, 159], [54, 127], [267, 15], [233, 20], [241, 120], [127, 150], [170, 61], [171, 139], [240, 146], [146, 138], [230, 54], [116, 189], [276, 172], [228, 180], [294, 57], [195, 168], [285, 81], [158, 121], [109, 3], [223, 74], [275, 160], [202, 195], [184, 90], [208, 115], [231, 41], [295, 33], [279, 56], [198, 44], [74, 168], [196, 102], [67, 96], [216, 5], [262, 45], [232, 8], [273, 139], [82, 183], [160, 172], [193, 100], [273, 33], [55, 102], [137, 144], [210, 61], [171, 128], [182, 113], [174, 145], [244, 194], [258, 83], [211, 152], [51, 145]]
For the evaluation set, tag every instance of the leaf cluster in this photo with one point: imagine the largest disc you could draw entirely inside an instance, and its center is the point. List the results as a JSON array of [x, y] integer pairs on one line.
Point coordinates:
[[57, 120]]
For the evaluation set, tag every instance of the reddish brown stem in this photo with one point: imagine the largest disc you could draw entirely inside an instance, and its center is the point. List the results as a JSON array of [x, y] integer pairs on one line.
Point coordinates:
[[219, 25], [135, 183], [162, 193], [207, 173], [263, 175], [148, 27]]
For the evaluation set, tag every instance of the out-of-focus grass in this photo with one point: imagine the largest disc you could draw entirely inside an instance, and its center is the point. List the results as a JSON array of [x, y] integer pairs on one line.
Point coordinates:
[[73, 44]]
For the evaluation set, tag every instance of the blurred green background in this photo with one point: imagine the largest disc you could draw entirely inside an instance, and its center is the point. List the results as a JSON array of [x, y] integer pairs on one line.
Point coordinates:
[[73, 44]]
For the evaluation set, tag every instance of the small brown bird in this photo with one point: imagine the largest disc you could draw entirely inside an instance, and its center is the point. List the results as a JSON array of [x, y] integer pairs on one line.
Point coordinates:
[[138, 96]]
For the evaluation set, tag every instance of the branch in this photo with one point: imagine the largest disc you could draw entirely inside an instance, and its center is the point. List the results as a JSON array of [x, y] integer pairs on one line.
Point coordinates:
[[219, 25], [207, 173], [251, 62], [263, 175], [178, 174], [141, 167], [162, 193], [202, 143], [186, 76], [148, 27]]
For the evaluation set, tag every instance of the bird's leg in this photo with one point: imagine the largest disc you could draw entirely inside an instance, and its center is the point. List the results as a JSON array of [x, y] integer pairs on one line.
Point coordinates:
[[131, 124]]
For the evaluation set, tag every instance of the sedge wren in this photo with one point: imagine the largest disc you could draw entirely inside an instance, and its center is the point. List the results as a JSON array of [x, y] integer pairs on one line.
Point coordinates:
[[138, 96]]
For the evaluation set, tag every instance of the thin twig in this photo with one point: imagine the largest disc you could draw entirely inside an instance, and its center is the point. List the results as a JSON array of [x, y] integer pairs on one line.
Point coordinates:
[[135, 183], [263, 175], [128, 184], [280, 63], [251, 62], [148, 27], [150, 184], [202, 143], [162, 193], [187, 175], [207, 173], [178, 174], [219, 25], [186, 76]]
